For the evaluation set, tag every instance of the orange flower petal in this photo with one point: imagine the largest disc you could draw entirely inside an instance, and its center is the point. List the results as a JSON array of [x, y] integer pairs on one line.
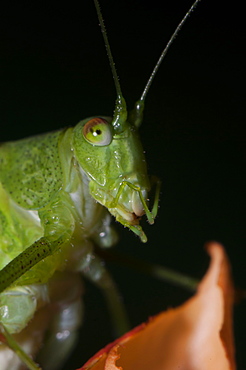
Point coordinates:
[[195, 336]]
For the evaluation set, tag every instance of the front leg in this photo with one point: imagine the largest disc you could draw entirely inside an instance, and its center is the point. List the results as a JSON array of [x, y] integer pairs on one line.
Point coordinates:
[[39, 250], [58, 225]]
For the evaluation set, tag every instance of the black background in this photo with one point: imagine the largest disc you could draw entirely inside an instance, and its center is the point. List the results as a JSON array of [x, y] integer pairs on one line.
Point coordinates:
[[54, 72]]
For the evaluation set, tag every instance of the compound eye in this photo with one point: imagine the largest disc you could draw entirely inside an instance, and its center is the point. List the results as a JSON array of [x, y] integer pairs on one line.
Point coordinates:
[[98, 132]]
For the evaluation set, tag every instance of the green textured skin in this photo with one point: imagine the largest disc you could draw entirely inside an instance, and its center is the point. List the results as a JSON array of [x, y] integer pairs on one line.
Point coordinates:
[[37, 158]]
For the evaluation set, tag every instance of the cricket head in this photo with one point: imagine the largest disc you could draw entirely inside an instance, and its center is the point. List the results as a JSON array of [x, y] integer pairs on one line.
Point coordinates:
[[110, 153]]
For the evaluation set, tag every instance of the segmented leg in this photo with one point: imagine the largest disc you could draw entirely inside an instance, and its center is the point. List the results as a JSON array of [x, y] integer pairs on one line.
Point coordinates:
[[97, 273]]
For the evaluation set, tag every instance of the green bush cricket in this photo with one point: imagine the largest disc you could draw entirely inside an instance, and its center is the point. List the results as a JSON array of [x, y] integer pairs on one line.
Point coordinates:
[[55, 208]]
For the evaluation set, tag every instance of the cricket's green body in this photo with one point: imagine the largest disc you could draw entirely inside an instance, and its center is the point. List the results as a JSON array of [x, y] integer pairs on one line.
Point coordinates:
[[53, 186], [55, 193]]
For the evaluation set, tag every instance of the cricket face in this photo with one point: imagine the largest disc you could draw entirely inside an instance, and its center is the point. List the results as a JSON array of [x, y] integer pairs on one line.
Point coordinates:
[[116, 167]]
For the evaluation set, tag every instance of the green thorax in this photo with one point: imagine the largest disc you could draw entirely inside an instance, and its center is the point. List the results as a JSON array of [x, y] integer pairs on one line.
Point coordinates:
[[30, 169]]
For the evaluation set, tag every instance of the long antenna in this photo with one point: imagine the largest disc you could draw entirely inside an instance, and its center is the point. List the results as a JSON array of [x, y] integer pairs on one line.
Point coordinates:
[[164, 52], [109, 53], [120, 114]]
